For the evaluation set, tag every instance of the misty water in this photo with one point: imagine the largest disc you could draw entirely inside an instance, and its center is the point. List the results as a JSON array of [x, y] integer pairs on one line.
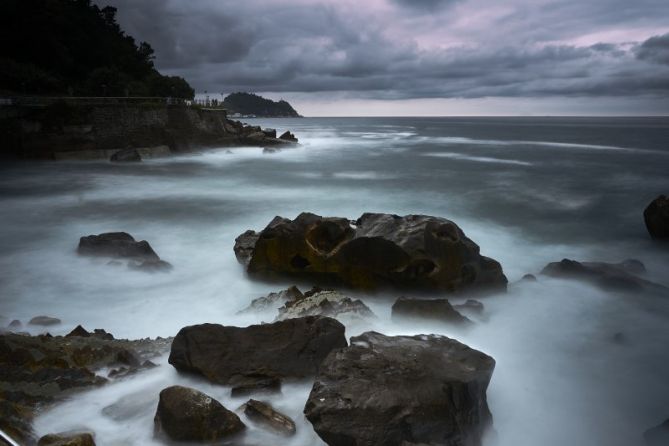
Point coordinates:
[[529, 191]]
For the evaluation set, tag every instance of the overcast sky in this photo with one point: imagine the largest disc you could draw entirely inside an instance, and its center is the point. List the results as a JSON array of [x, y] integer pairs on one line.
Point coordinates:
[[417, 57]]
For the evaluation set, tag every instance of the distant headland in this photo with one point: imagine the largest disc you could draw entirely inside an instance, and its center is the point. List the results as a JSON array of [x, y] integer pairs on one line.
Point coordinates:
[[249, 105]]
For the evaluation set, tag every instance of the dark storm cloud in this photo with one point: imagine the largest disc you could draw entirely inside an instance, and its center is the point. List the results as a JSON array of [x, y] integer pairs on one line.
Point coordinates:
[[373, 50], [655, 49]]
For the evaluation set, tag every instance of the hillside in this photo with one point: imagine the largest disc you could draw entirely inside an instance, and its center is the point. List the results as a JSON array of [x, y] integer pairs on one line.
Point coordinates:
[[252, 104], [72, 47]]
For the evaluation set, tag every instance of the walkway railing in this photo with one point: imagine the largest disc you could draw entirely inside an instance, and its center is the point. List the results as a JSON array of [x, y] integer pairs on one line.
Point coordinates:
[[44, 101]]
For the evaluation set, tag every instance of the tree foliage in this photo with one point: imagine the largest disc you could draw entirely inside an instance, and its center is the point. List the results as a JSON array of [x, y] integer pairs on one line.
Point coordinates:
[[75, 47]]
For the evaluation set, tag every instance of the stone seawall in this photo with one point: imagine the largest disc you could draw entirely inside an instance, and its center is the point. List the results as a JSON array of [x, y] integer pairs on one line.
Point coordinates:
[[66, 131]]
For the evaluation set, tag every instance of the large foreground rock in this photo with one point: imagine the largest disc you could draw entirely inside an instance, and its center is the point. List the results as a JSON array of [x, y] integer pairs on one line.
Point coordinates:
[[377, 250], [185, 414], [656, 216], [608, 276], [423, 389], [293, 348]]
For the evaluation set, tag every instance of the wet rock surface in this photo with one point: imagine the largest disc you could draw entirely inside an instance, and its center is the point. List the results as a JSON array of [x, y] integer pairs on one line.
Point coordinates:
[[292, 348], [656, 217], [423, 389], [41, 370], [608, 276], [266, 416], [328, 303], [67, 439], [437, 310], [375, 251], [186, 414]]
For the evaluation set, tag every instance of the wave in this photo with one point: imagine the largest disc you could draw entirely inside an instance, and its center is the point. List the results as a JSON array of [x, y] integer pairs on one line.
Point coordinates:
[[496, 142], [480, 159]]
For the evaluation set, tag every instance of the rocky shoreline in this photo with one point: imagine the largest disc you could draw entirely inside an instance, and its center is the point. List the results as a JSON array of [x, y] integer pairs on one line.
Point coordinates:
[[372, 389]]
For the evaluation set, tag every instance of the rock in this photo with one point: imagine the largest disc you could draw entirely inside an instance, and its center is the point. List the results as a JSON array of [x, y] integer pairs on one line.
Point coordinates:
[[125, 156], [529, 278], [377, 250], [439, 310], [608, 276], [102, 334], [244, 245], [116, 244], [658, 435], [471, 305], [656, 216], [424, 389], [273, 300], [287, 136], [267, 150], [257, 136], [15, 324], [254, 384], [44, 321], [185, 414], [291, 348], [37, 371], [270, 133], [324, 303], [67, 439], [154, 152], [78, 331], [265, 415]]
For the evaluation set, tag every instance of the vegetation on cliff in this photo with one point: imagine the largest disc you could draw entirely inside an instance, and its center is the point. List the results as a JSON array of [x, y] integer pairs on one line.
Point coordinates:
[[75, 47], [252, 104]]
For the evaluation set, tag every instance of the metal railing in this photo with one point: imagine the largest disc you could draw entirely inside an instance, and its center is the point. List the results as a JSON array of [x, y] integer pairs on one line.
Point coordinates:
[[44, 101]]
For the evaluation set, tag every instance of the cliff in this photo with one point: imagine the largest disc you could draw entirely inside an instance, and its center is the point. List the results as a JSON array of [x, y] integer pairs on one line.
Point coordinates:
[[93, 130]]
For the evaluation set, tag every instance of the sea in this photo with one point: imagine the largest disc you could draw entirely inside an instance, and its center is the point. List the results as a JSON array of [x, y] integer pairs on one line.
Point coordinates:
[[528, 191]]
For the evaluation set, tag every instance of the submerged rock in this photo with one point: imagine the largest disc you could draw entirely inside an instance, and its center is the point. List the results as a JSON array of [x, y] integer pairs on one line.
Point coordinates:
[[126, 156], [324, 303], [658, 435], [265, 415], [656, 217], [273, 300], [609, 276], [471, 305], [44, 321], [151, 266], [423, 389], [438, 310], [67, 439], [185, 414], [116, 244], [291, 348], [377, 250]]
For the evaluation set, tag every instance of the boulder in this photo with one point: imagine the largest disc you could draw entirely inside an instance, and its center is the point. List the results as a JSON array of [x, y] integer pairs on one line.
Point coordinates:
[[394, 390], [273, 300], [78, 331], [44, 321], [185, 414], [15, 324], [438, 310], [287, 136], [658, 435], [244, 245], [656, 216], [529, 278], [125, 156], [328, 303], [265, 415], [608, 276], [377, 250], [67, 439], [270, 133], [116, 244], [256, 136], [292, 348]]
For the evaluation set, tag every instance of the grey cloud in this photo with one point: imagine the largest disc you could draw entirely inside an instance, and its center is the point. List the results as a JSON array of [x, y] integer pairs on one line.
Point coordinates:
[[223, 46], [655, 49], [425, 5]]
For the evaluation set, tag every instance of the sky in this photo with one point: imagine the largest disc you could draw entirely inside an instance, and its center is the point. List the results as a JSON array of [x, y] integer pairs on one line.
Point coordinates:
[[417, 57]]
